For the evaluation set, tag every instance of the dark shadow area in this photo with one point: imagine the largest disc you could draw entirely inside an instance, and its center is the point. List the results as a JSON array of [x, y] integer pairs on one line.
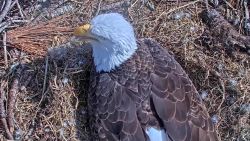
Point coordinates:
[[51, 100]]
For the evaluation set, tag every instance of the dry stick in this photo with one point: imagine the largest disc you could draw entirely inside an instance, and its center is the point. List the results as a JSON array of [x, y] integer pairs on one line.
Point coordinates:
[[223, 96], [11, 101], [4, 25], [224, 31], [13, 4], [174, 1], [118, 4], [5, 49], [20, 9], [45, 75], [229, 5], [133, 4], [5, 10], [44, 91], [3, 114], [2, 6], [246, 10], [247, 28], [174, 9], [98, 8]]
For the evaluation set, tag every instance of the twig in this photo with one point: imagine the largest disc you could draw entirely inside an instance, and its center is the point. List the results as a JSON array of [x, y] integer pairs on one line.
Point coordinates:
[[174, 9], [246, 10], [5, 10], [247, 20], [13, 4], [20, 9], [229, 4], [98, 8], [224, 31], [2, 5], [45, 74], [44, 87], [5, 49], [133, 4], [118, 4], [174, 1], [3, 113], [12, 99], [3, 26], [6, 24], [20, 21], [223, 96]]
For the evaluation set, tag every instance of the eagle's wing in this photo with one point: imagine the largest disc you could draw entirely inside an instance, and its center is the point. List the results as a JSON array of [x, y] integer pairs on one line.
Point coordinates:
[[113, 107], [150, 89], [176, 100]]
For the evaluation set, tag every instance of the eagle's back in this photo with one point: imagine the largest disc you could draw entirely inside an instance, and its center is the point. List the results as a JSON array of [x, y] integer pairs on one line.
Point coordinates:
[[149, 90]]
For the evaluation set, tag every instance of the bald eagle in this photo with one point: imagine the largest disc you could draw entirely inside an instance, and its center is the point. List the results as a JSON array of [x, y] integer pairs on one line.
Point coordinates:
[[138, 91]]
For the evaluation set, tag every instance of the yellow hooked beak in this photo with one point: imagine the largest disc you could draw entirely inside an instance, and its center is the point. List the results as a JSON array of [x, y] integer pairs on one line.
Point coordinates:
[[82, 30], [82, 33]]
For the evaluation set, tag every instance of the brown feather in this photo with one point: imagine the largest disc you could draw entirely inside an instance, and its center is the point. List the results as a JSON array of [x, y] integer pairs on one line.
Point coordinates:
[[149, 89]]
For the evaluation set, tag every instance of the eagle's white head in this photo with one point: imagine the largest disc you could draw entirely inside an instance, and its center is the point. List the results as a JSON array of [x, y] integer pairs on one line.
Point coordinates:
[[112, 39]]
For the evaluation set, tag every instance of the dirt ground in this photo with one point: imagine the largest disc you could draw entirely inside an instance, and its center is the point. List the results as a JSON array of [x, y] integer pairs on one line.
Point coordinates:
[[47, 76]]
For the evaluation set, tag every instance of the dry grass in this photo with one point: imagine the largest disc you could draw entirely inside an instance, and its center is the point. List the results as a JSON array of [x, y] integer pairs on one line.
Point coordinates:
[[35, 39], [51, 103]]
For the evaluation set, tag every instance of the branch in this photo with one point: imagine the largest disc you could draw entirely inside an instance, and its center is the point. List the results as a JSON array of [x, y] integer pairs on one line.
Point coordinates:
[[114, 5], [5, 50], [5, 10], [12, 99], [3, 113], [224, 31]]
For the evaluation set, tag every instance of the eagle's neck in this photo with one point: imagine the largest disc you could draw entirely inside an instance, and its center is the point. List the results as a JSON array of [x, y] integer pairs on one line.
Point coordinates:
[[109, 55]]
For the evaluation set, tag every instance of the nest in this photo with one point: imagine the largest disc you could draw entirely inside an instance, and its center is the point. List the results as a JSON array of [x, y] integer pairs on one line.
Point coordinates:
[[51, 95]]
